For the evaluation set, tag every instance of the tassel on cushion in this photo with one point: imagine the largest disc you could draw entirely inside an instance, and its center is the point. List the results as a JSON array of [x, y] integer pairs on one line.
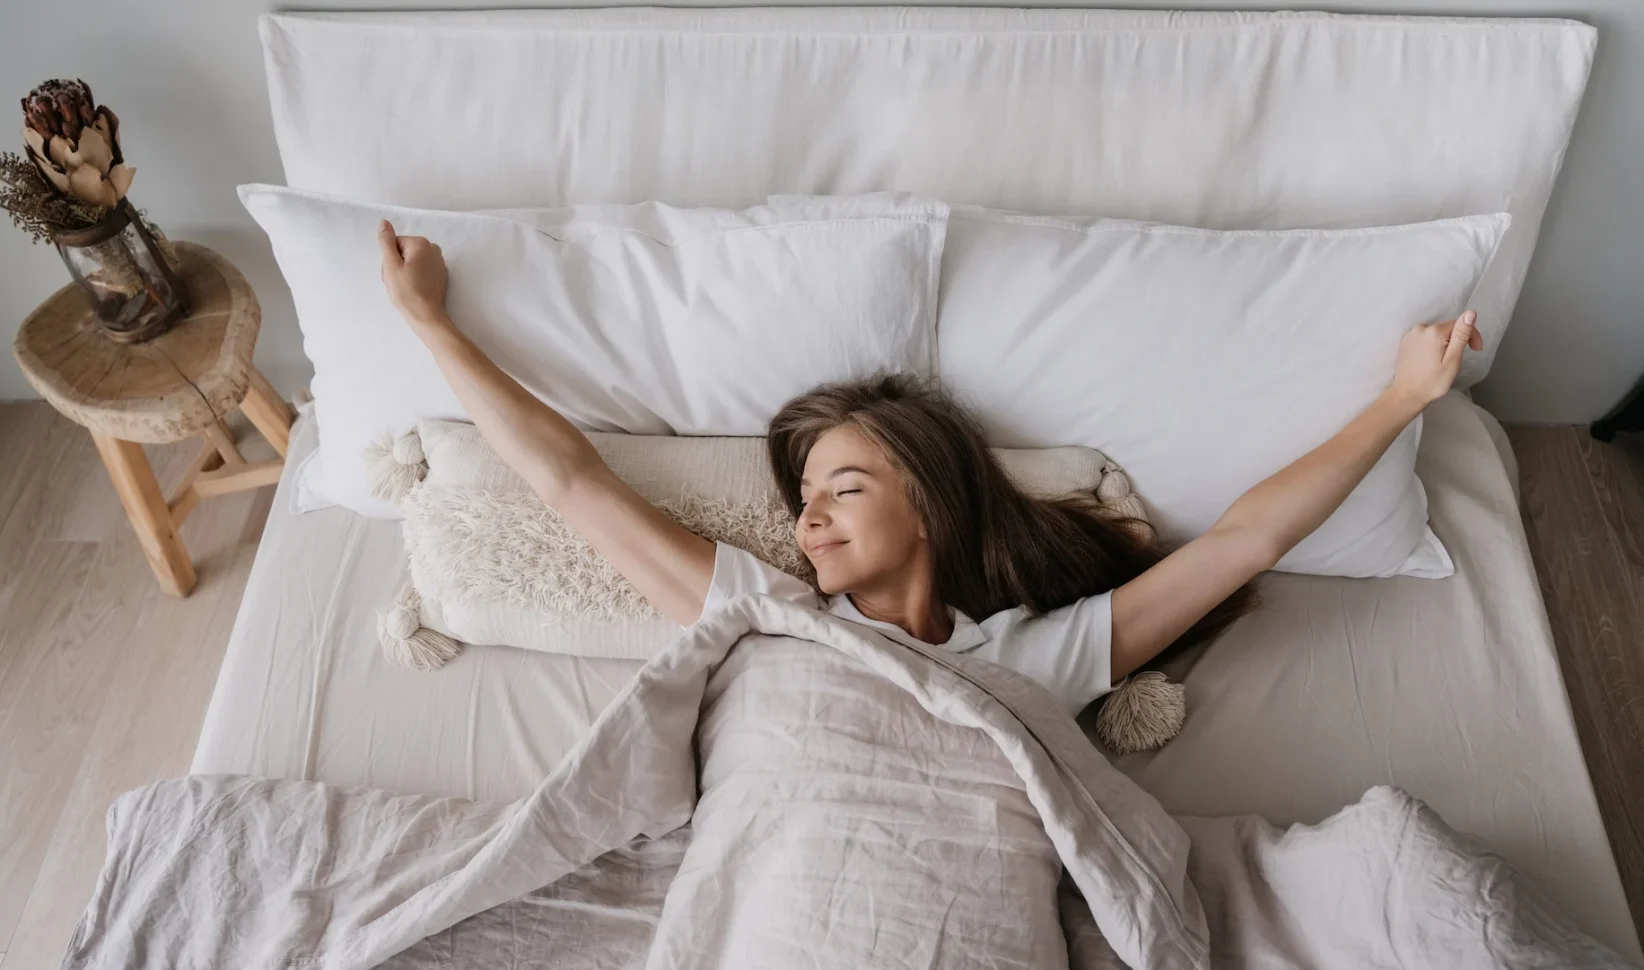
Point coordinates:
[[395, 465], [1114, 486], [1117, 498], [1144, 712], [406, 641]]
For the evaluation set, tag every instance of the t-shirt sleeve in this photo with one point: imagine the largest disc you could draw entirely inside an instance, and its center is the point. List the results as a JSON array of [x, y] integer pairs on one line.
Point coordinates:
[[1068, 650], [738, 572]]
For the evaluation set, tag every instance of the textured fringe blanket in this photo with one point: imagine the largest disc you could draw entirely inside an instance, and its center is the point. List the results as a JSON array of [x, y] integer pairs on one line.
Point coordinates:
[[780, 788]]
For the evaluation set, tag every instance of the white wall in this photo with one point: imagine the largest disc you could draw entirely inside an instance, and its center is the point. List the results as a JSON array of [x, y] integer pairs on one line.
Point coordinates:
[[186, 78]]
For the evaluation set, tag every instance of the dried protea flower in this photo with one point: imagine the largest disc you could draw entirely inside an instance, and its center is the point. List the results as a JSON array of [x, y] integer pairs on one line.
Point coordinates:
[[75, 142]]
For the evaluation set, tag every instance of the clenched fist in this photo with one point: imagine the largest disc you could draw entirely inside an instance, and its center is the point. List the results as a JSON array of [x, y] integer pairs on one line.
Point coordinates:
[[413, 270], [1430, 355]]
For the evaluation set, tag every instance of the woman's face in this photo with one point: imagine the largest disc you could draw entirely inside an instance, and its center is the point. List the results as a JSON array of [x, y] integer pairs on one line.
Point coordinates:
[[856, 527]]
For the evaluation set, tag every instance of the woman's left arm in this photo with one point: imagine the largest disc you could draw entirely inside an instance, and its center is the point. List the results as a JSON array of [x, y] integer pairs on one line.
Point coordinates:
[[1255, 532]]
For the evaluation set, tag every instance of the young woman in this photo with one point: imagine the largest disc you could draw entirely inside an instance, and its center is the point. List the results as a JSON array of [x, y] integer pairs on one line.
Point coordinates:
[[911, 525]]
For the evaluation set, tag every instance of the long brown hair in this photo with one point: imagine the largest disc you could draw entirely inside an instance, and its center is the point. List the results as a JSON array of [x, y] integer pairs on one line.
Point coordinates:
[[993, 546]]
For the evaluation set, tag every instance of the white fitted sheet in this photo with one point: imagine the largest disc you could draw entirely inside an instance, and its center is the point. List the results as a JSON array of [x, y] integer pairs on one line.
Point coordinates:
[[1447, 688]]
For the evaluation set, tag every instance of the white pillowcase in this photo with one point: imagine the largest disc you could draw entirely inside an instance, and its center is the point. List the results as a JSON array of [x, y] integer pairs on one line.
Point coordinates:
[[643, 319], [1203, 362], [490, 563]]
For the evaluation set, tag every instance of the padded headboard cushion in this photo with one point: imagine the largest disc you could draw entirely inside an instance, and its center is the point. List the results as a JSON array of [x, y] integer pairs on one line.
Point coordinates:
[[1220, 120]]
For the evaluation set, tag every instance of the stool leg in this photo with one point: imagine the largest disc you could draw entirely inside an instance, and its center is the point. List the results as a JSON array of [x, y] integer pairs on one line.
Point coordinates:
[[268, 412], [228, 453], [146, 506]]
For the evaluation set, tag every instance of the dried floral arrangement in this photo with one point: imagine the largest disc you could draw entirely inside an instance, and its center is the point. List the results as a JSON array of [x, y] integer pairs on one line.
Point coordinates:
[[73, 172], [34, 207], [69, 187]]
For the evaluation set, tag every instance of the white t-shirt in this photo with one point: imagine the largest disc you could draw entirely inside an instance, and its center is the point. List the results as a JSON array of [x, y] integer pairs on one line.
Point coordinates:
[[1068, 650]]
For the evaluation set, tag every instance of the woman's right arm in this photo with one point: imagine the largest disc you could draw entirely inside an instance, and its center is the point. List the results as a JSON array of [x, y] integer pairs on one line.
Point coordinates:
[[671, 566]]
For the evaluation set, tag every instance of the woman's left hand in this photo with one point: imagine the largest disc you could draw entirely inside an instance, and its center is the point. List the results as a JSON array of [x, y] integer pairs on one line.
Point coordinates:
[[1430, 355], [414, 273]]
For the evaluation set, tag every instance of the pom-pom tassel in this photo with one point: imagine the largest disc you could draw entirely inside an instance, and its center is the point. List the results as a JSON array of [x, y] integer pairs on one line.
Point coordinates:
[[395, 465], [1144, 712], [406, 641]]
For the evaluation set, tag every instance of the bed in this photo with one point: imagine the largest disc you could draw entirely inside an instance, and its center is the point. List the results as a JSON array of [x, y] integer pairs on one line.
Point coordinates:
[[1448, 688], [1335, 686]]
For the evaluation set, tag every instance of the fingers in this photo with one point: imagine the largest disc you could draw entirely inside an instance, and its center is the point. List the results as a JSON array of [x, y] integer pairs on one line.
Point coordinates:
[[389, 244], [1463, 334], [398, 250]]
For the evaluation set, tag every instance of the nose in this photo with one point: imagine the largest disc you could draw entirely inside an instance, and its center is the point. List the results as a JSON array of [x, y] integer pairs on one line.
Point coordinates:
[[813, 515]]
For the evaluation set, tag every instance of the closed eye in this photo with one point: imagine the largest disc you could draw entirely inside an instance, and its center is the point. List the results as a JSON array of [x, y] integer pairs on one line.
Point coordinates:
[[843, 491]]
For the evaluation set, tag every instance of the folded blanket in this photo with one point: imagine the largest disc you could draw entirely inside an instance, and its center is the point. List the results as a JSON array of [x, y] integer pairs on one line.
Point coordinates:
[[852, 802]]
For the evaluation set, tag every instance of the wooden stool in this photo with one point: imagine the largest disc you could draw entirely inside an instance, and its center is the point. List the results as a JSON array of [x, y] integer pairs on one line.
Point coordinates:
[[180, 384]]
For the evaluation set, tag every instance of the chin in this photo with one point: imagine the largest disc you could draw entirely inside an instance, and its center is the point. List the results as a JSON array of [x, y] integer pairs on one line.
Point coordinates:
[[829, 584], [831, 580]]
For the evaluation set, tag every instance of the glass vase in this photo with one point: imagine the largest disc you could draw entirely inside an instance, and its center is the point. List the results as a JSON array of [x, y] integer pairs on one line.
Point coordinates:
[[134, 290]]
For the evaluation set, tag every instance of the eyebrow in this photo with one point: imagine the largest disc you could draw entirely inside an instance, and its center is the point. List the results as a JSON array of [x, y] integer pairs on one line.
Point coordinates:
[[842, 469]]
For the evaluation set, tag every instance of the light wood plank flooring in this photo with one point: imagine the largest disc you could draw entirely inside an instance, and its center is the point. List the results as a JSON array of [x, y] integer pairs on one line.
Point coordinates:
[[104, 681]]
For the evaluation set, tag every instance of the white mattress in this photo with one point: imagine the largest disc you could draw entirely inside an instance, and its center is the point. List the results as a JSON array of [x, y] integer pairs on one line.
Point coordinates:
[[1448, 688]]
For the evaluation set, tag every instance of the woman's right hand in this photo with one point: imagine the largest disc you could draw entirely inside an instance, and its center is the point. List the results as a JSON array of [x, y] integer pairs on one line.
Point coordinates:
[[671, 566], [413, 271]]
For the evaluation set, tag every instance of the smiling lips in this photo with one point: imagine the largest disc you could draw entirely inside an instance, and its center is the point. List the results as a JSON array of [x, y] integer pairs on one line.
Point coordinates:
[[823, 548]]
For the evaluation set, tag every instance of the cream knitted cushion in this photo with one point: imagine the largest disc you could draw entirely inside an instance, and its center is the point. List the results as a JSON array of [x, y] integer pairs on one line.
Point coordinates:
[[490, 563]]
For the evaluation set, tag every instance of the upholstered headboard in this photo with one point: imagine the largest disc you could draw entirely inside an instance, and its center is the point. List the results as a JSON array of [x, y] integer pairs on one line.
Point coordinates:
[[1222, 120]]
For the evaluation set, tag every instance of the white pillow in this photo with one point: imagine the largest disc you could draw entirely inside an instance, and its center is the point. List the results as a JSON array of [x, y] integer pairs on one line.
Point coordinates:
[[643, 319], [1202, 361], [490, 563]]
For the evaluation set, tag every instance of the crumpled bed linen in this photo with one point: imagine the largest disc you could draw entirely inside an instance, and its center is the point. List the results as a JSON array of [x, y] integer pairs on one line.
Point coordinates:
[[782, 788]]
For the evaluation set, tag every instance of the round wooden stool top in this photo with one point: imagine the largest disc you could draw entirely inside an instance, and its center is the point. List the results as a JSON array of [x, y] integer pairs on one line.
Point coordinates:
[[164, 390]]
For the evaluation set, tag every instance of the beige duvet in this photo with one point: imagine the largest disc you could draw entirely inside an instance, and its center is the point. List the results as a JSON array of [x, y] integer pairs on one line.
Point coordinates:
[[783, 789]]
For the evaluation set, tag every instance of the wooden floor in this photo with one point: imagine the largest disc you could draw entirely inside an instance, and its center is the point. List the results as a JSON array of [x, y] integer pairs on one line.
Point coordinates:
[[1583, 506], [104, 680]]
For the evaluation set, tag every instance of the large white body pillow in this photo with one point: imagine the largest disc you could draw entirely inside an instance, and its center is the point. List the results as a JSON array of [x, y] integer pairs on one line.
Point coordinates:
[[645, 319], [1204, 361]]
